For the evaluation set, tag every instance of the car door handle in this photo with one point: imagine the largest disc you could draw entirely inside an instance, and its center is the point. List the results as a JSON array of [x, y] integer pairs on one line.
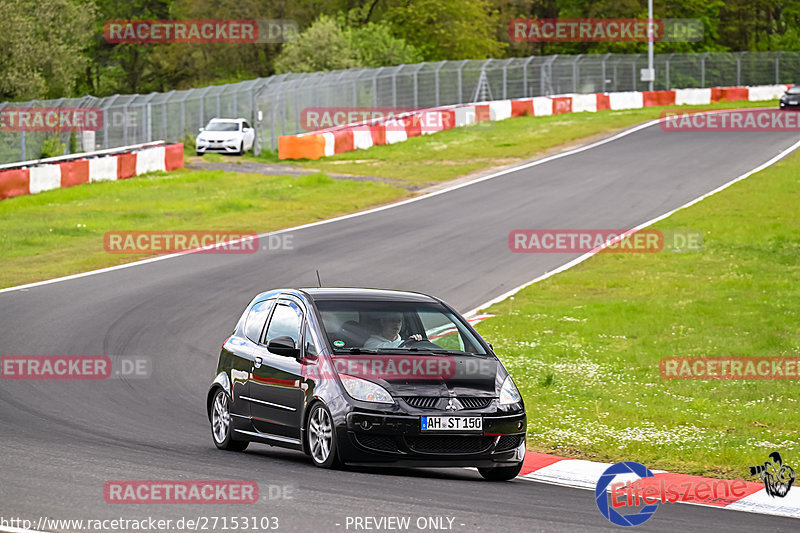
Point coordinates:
[[258, 362]]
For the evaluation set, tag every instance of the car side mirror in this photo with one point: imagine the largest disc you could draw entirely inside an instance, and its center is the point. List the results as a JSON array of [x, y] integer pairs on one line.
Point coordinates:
[[283, 346], [202, 129]]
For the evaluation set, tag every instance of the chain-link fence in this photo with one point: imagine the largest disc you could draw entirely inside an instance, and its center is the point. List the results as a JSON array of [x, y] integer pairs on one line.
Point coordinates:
[[275, 104]]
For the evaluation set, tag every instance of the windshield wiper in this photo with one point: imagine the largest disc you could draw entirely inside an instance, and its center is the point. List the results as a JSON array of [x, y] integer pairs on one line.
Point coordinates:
[[354, 350]]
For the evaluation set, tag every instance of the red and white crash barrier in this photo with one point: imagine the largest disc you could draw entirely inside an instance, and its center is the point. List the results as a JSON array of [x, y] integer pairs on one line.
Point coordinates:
[[102, 167], [365, 134]]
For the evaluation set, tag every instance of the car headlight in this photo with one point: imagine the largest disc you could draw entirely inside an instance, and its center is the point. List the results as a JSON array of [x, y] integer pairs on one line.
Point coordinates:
[[364, 390], [231, 140], [201, 141], [509, 393]]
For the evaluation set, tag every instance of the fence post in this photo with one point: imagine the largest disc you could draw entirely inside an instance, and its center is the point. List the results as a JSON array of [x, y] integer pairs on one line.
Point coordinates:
[[525, 77], [703, 69], [505, 79], [460, 82], [739, 69], [394, 86], [777, 67], [436, 81]]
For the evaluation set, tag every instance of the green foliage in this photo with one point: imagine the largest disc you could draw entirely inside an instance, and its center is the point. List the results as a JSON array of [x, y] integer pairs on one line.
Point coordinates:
[[449, 29], [329, 44], [42, 43], [52, 147]]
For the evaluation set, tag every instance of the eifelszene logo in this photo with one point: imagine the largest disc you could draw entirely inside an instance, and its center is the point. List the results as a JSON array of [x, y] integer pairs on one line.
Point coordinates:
[[777, 477]]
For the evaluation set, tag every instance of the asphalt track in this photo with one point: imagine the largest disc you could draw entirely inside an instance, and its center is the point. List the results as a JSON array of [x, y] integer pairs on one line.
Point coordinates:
[[63, 440]]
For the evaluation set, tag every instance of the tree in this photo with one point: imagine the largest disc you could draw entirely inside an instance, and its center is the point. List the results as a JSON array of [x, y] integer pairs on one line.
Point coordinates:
[[41, 47], [329, 45], [448, 29]]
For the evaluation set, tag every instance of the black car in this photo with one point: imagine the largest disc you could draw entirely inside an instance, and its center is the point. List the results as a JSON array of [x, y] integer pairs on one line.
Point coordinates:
[[791, 98], [365, 376]]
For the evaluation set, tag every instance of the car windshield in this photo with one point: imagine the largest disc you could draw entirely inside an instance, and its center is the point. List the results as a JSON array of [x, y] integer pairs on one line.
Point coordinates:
[[793, 90], [395, 327], [222, 126]]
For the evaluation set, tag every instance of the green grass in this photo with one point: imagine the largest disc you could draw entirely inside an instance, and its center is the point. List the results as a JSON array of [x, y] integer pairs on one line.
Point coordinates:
[[60, 232], [584, 346], [445, 155], [43, 236]]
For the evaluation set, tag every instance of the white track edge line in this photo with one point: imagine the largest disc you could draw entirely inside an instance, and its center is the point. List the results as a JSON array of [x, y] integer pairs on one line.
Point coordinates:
[[650, 222], [349, 215]]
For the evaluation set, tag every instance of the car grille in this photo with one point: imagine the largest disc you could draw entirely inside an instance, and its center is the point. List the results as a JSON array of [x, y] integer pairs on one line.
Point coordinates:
[[382, 443], [508, 442], [422, 402], [430, 402], [475, 402], [448, 444]]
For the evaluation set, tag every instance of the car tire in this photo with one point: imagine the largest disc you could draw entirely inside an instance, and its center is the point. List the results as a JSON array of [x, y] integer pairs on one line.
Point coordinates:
[[241, 148], [501, 473], [221, 427], [199, 154], [321, 437]]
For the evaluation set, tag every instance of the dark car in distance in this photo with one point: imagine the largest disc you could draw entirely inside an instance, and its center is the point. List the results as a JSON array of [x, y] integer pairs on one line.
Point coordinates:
[[791, 98], [366, 377]]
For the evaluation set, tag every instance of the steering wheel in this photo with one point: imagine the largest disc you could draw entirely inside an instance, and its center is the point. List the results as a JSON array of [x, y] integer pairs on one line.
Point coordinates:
[[408, 342]]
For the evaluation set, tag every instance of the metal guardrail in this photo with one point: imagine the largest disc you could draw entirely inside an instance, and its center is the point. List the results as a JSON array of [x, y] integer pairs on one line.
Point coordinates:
[[274, 104]]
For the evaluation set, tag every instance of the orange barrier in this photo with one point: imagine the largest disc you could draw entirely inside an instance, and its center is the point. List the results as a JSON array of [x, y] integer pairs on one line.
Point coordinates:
[[311, 146], [126, 166], [74, 172], [15, 182], [173, 156], [656, 98]]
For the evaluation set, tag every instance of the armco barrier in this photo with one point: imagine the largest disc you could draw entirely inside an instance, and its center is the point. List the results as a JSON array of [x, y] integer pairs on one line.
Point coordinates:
[[374, 132], [83, 169]]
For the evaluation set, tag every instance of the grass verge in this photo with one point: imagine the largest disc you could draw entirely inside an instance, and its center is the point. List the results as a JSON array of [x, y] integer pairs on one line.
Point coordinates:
[[60, 232], [585, 345]]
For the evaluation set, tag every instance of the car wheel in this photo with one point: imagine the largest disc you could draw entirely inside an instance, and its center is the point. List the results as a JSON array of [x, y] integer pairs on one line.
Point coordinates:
[[321, 439], [241, 148], [199, 154], [221, 428], [501, 473]]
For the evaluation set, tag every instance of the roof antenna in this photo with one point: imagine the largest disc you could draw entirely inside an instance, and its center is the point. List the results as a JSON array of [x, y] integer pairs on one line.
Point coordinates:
[[319, 281]]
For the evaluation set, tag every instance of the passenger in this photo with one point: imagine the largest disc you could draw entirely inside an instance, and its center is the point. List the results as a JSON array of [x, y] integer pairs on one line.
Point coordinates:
[[389, 336]]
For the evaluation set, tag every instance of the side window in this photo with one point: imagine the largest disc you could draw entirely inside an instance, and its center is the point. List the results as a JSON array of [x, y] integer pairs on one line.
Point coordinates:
[[256, 320], [285, 322], [311, 348]]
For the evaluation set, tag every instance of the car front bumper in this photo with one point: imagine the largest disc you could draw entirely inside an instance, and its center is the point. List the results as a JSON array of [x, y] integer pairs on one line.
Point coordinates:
[[218, 146], [370, 438]]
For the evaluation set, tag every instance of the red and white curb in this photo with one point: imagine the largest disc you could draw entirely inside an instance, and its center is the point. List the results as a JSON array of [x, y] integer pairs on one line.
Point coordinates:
[[582, 474]]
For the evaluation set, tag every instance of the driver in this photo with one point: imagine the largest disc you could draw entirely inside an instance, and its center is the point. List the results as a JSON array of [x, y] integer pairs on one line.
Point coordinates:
[[389, 336]]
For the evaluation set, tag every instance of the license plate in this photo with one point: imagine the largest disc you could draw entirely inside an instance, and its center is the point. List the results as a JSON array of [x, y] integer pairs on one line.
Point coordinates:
[[452, 423]]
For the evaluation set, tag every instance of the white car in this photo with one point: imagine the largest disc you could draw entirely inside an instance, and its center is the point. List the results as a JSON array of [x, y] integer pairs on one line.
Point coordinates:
[[226, 135]]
